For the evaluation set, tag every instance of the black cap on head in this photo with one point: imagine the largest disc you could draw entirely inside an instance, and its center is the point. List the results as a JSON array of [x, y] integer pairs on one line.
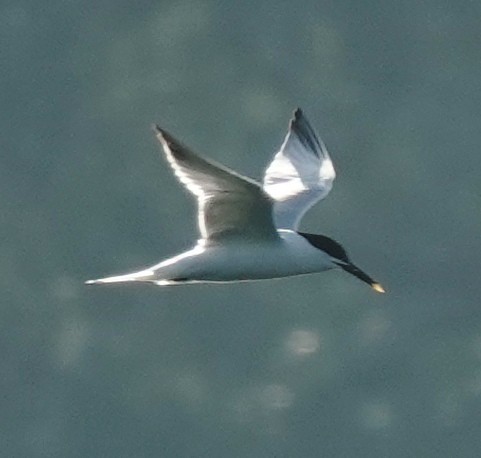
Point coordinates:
[[338, 253], [330, 246]]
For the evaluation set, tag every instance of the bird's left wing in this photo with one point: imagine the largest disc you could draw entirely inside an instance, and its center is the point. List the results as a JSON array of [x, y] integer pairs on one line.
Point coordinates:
[[300, 174], [229, 205]]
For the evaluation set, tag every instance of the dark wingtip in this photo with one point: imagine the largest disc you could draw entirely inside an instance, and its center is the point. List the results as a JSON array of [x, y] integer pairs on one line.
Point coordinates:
[[162, 135], [301, 127], [296, 117], [157, 129]]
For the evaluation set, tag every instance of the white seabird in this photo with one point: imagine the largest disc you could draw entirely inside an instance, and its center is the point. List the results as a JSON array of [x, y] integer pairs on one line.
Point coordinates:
[[249, 231]]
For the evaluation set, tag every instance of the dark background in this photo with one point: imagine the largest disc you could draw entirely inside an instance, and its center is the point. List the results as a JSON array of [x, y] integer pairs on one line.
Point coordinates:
[[303, 367]]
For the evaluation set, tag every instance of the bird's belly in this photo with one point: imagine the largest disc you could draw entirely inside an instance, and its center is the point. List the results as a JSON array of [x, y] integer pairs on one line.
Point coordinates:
[[248, 262]]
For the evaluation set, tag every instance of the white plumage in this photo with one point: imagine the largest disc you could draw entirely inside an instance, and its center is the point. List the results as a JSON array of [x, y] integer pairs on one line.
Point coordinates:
[[248, 230], [300, 174]]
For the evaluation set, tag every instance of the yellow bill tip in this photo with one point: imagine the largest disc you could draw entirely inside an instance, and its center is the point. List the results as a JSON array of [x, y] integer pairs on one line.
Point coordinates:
[[377, 287]]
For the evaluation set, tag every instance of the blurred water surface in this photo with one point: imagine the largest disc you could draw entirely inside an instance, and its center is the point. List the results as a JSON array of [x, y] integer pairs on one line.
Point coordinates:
[[304, 367]]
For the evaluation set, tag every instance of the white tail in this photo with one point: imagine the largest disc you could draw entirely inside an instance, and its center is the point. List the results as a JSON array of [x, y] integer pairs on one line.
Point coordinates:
[[143, 276]]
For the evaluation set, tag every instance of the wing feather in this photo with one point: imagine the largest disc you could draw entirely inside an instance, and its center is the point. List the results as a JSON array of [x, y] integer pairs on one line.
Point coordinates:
[[300, 174], [229, 205]]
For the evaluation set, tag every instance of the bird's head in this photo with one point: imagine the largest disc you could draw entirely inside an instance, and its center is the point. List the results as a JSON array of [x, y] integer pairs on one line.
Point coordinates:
[[340, 258]]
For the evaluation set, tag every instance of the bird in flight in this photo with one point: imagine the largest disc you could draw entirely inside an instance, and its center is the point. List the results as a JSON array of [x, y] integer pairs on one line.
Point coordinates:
[[248, 230]]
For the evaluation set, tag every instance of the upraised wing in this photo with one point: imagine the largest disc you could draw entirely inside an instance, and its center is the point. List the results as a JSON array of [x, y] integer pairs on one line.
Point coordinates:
[[300, 174], [229, 205]]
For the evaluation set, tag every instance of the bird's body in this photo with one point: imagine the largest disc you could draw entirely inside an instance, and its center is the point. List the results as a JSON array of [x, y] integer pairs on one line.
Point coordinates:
[[248, 230], [236, 260]]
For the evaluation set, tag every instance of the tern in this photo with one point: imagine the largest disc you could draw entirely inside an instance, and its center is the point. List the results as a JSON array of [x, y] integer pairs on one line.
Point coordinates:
[[248, 230]]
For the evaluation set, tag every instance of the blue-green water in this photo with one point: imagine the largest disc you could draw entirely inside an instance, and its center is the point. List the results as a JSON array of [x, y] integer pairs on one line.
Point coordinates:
[[317, 366]]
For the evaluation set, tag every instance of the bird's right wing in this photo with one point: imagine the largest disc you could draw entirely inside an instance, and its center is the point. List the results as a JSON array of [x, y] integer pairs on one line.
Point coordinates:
[[229, 205], [300, 174]]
